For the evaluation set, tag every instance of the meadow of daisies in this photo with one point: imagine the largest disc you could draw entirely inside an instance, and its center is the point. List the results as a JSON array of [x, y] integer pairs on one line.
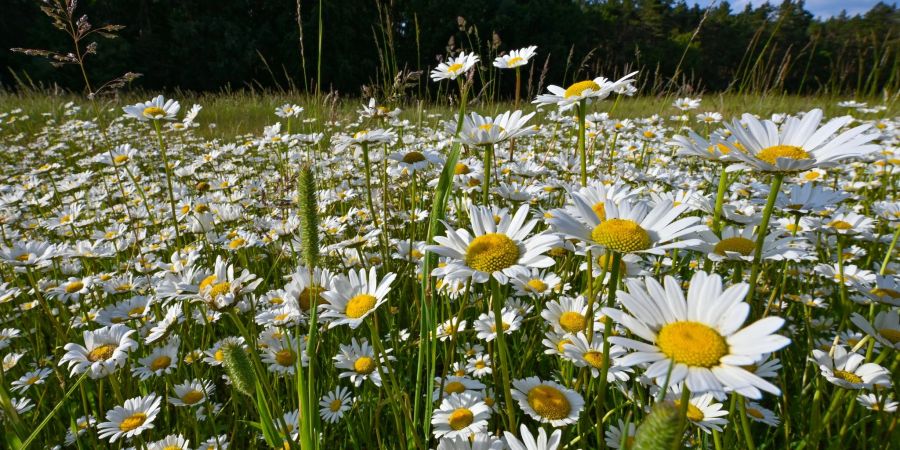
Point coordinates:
[[525, 275]]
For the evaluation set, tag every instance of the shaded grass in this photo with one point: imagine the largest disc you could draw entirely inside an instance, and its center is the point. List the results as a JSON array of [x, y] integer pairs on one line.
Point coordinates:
[[228, 115]]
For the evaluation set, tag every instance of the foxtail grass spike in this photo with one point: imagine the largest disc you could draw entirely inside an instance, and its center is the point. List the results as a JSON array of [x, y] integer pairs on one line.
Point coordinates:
[[239, 368], [309, 220], [659, 429]]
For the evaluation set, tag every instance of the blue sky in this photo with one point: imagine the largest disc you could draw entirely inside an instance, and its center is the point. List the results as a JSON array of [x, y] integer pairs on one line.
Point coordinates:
[[819, 8]]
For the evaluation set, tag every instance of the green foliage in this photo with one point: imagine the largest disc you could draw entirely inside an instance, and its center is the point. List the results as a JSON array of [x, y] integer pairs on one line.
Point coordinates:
[[227, 44]]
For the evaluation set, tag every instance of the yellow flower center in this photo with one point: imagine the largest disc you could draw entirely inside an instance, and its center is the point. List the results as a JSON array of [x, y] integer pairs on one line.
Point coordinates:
[[119, 159], [219, 288], [133, 421], [605, 262], [480, 364], [208, 281], [548, 402], [600, 209], [454, 68], [74, 286], [722, 148], [561, 345], [848, 376], [621, 235], [192, 397], [890, 334], [460, 169], [740, 245], [360, 134], [692, 343], [595, 359], [101, 353], [161, 362], [649, 134], [23, 257], [304, 299], [755, 413], [536, 285], [32, 380], [885, 292], [454, 387], [413, 157], [359, 305], [693, 413], [579, 87], [572, 321], [154, 112], [237, 243], [492, 252], [461, 418], [219, 355], [840, 225], [335, 405], [285, 358], [771, 154], [364, 365], [513, 61]]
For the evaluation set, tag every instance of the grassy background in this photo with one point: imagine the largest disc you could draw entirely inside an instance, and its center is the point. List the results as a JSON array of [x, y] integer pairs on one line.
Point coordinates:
[[243, 112]]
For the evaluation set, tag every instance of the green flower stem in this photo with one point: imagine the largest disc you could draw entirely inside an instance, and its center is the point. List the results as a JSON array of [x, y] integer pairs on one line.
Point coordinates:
[[488, 168], [581, 112], [607, 330], [683, 405], [761, 233], [165, 158], [745, 424], [890, 252], [503, 362], [720, 199]]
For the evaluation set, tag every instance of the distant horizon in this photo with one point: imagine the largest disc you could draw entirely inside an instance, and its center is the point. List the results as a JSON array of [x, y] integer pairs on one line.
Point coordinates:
[[819, 8]]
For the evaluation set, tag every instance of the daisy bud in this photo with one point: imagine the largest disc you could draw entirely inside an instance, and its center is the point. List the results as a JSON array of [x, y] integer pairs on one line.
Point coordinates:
[[659, 429], [309, 221], [239, 368]]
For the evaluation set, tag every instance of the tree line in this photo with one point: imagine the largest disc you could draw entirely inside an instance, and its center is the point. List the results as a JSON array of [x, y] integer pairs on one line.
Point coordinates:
[[212, 45]]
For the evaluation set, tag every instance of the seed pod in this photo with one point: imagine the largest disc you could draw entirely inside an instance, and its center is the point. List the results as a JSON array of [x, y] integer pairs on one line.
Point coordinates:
[[309, 219], [239, 368], [659, 429]]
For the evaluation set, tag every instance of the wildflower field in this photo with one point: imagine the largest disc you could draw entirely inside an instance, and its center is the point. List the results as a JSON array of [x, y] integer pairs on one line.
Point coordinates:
[[546, 273]]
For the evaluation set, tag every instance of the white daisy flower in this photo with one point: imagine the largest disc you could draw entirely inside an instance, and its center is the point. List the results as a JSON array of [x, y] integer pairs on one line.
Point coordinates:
[[515, 58], [481, 130], [334, 404], [105, 351], [883, 402], [885, 328], [171, 442], [160, 361], [30, 379], [584, 354], [454, 67], [547, 401], [800, 144], [597, 89], [478, 441], [848, 370], [498, 247], [629, 227], [358, 363], [620, 436], [354, 297], [156, 109], [757, 413], [532, 442], [191, 393], [700, 337], [131, 419], [460, 415], [486, 326], [455, 385]]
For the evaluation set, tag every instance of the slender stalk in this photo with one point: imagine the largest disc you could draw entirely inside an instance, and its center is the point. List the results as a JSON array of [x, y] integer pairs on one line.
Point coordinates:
[[745, 424], [503, 360], [683, 406], [761, 233], [165, 158], [581, 111], [607, 330], [488, 168]]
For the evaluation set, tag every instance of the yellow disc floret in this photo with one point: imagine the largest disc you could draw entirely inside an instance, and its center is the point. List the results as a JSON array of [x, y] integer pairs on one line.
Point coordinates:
[[579, 87], [492, 252], [692, 343], [460, 418], [548, 402], [621, 235], [740, 245], [359, 305], [771, 154]]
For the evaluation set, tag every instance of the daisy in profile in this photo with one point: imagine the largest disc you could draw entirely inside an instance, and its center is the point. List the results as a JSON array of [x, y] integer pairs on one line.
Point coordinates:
[[191, 393], [515, 58], [358, 363], [352, 298], [170, 442], [131, 419], [687, 103], [481, 130], [597, 89], [486, 326], [454, 67], [156, 109], [883, 402], [31, 378], [539, 283], [800, 144], [885, 328], [699, 337], [460, 415], [160, 361], [222, 288], [532, 442], [757, 413], [31, 253], [456, 385], [584, 354], [477, 441], [630, 226], [498, 246], [849, 369], [334, 404], [547, 401], [702, 411], [374, 136], [105, 350], [621, 435], [288, 110], [713, 149], [740, 245], [568, 315]]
